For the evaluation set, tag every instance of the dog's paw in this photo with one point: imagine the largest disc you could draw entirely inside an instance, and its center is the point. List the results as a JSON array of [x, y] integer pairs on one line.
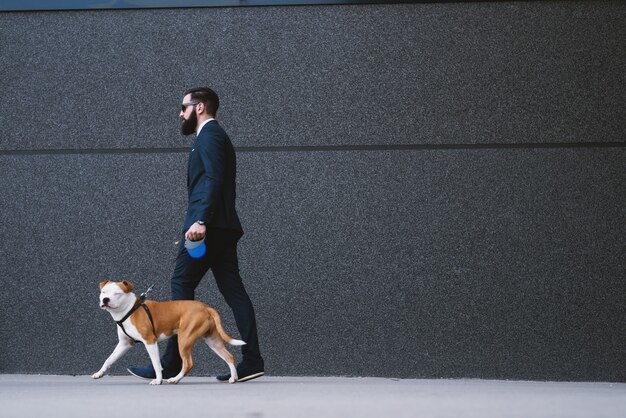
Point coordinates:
[[173, 380], [156, 382], [98, 375], [232, 380]]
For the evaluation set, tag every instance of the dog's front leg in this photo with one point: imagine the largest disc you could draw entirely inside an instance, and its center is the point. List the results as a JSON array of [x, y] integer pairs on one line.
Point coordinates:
[[122, 347], [153, 351]]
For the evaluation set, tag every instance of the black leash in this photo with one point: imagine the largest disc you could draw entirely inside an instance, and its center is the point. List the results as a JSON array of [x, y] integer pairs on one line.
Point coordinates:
[[139, 303]]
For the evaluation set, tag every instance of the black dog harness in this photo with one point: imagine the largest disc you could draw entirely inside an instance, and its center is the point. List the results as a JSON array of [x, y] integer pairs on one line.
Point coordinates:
[[139, 303]]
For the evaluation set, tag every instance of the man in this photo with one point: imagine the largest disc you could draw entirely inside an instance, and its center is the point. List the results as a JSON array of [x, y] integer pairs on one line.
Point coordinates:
[[211, 215]]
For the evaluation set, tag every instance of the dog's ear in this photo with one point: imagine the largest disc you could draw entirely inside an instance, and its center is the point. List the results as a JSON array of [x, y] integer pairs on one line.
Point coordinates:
[[104, 283], [127, 287]]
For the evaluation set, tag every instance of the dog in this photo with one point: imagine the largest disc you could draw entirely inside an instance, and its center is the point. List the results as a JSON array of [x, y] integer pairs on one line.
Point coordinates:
[[149, 322]]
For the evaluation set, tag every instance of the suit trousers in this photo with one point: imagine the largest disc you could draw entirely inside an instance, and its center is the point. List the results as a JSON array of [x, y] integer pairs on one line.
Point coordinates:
[[221, 259]]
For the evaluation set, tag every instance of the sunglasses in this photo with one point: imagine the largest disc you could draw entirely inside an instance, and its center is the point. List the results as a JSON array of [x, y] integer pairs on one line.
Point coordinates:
[[184, 106]]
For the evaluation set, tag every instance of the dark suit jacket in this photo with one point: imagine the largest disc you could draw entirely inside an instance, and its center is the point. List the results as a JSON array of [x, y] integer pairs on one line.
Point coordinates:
[[211, 171]]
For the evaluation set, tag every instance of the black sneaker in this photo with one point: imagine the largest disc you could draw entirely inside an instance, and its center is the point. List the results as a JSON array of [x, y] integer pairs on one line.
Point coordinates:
[[244, 373], [147, 373]]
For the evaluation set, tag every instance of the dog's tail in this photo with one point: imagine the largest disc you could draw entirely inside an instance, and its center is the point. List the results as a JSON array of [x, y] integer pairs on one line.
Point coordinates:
[[220, 328]]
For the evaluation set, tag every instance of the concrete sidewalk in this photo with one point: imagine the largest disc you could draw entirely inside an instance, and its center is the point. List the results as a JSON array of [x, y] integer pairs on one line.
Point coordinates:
[[291, 397]]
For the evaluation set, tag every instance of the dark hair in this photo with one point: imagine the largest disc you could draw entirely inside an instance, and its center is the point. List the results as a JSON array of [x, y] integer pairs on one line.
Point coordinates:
[[206, 96]]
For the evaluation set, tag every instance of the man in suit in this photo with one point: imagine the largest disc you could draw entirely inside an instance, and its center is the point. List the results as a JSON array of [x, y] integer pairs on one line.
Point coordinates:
[[211, 215]]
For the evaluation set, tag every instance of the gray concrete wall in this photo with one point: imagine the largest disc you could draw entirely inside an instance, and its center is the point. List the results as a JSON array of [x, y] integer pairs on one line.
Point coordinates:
[[428, 190]]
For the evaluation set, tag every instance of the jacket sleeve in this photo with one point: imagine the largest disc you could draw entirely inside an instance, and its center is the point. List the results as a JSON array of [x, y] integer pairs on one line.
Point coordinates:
[[212, 153]]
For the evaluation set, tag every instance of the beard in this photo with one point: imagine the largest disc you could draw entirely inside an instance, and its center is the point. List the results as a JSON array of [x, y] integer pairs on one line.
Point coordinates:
[[188, 126]]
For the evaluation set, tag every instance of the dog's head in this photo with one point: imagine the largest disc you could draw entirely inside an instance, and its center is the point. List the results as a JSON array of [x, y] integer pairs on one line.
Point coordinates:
[[115, 295]]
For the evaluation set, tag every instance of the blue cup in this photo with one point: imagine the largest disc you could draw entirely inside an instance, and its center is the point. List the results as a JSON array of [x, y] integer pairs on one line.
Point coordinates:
[[196, 249]]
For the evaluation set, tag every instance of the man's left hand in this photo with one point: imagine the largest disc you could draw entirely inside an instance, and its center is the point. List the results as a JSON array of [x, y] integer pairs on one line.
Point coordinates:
[[196, 232]]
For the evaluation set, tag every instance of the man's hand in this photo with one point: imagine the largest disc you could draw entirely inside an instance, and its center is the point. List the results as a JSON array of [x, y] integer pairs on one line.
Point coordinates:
[[196, 232]]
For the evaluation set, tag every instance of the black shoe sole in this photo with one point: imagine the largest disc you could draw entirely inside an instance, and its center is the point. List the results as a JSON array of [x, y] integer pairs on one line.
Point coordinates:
[[224, 379], [152, 378], [140, 377], [250, 377]]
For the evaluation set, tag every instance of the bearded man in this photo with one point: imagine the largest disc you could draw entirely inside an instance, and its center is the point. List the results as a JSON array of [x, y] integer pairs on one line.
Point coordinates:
[[211, 216]]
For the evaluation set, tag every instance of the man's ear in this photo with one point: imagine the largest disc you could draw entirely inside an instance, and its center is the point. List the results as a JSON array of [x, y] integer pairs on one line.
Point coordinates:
[[200, 108], [104, 283], [127, 287]]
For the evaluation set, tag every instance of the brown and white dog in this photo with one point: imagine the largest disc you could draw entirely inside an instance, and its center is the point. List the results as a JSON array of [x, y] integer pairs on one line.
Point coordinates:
[[191, 320]]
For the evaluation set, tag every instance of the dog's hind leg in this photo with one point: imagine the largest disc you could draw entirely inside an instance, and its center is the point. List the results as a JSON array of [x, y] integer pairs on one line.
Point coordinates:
[[217, 344], [185, 347]]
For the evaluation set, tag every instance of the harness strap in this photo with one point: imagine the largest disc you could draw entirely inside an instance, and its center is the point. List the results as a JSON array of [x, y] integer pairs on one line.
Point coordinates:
[[145, 308], [133, 309], [124, 331]]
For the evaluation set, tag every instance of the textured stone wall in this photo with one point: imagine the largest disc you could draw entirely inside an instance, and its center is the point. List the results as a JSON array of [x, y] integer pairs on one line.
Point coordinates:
[[428, 190]]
